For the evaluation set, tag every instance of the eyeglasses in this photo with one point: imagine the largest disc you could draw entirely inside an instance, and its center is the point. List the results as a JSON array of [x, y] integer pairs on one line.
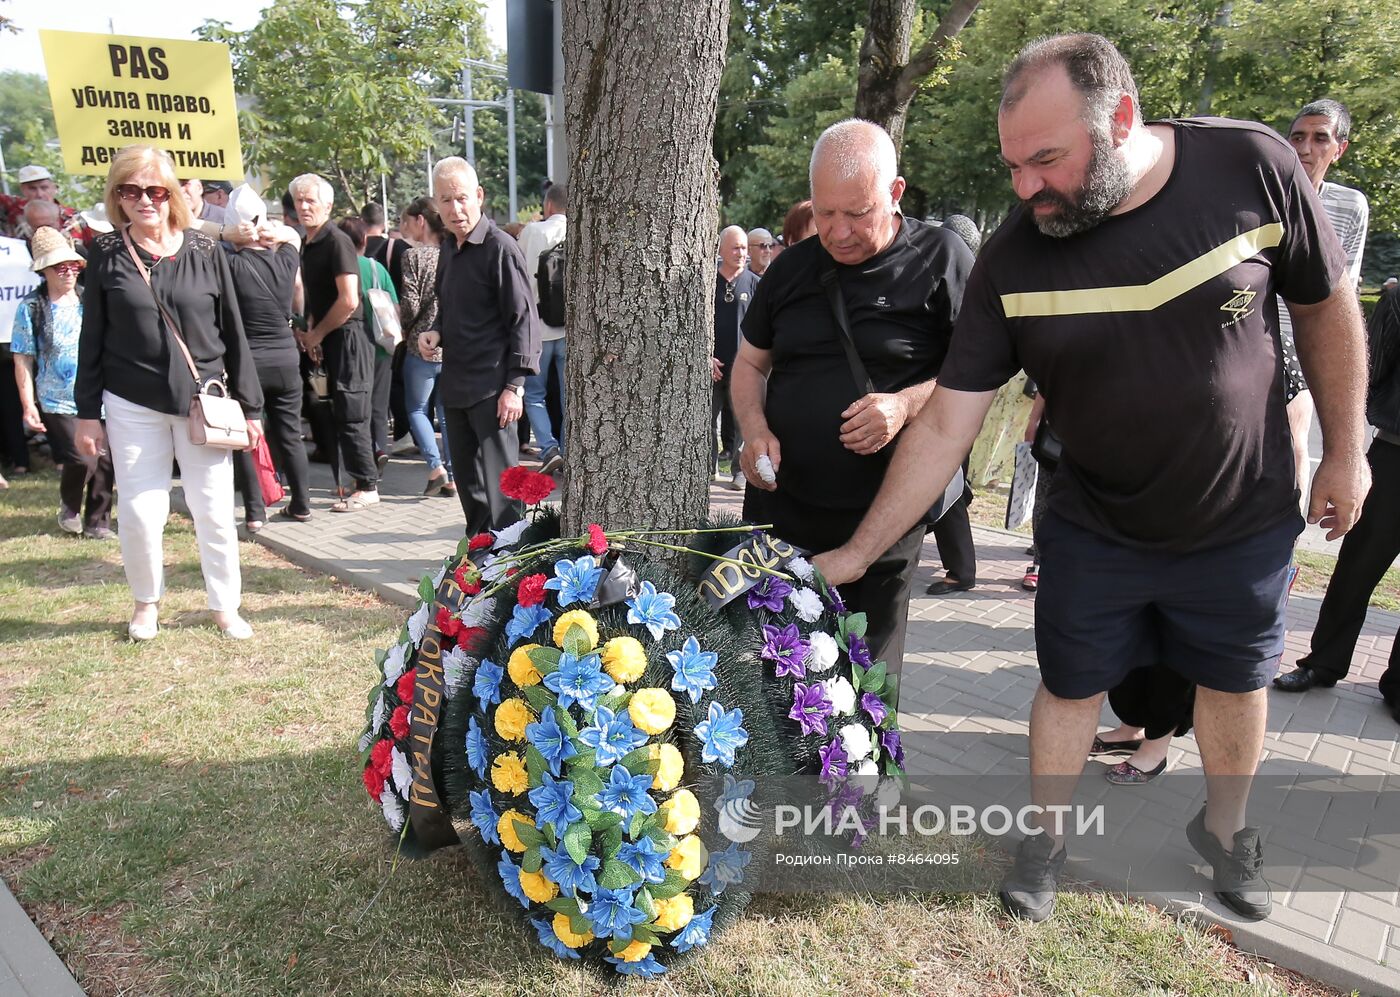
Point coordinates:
[[764, 245], [67, 268], [131, 192]]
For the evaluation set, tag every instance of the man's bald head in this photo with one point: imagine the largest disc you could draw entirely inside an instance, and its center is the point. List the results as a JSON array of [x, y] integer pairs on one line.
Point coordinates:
[[733, 248], [856, 189], [761, 249], [38, 214], [855, 148]]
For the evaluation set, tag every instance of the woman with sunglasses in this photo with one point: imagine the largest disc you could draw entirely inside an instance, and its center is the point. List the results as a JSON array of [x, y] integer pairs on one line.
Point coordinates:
[[45, 347], [153, 273]]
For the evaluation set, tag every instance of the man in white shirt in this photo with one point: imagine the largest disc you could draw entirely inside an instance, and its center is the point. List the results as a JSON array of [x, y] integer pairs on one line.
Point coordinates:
[[537, 239]]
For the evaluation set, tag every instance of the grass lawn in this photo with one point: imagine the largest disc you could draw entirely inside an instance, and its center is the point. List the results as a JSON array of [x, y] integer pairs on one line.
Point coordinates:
[[187, 817]]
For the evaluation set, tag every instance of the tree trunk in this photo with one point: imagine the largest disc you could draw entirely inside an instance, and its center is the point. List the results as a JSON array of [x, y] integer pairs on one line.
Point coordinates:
[[889, 77], [640, 98]]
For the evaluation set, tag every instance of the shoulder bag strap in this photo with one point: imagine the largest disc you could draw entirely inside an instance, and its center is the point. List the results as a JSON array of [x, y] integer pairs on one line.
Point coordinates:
[[253, 269], [838, 309], [146, 276]]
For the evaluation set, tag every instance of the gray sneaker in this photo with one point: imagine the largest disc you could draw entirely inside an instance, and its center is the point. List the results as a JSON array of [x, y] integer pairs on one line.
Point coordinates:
[[1028, 891], [738, 482], [1238, 874], [69, 521], [552, 461], [100, 533]]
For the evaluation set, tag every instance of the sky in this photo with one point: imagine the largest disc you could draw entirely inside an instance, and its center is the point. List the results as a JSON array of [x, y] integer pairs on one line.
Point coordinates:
[[148, 18]]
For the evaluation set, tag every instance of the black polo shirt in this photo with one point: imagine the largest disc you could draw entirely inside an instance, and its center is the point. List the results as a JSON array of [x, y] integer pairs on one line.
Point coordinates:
[[486, 314], [729, 315], [324, 257]]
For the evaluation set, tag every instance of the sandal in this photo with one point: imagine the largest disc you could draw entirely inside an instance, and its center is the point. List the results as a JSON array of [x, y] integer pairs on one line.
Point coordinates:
[[356, 502], [296, 517], [1127, 774], [1031, 581], [1102, 747]]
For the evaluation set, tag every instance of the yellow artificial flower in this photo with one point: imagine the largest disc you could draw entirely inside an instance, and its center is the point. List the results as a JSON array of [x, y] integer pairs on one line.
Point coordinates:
[[689, 858], [670, 766], [674, 914], [652, 710], [682, 812], [505, 827], [511, 718], [625, 659], [566, 933], [538, 887], [635, 952], [508, 774], [576, 618], [522, 670]]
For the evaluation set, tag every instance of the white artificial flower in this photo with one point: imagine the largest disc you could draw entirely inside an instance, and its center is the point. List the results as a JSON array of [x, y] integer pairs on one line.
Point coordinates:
[[888, 795], [381, 713], [418, 623], [366, 739], [867, 767], [437, 578], [493, 569], [455, 662], [508, 536], [403, 772], [802, 568], [857, 741], [822, 651], [842, 695], [395, 661], [477, 610], [393, 809], [806, 604]]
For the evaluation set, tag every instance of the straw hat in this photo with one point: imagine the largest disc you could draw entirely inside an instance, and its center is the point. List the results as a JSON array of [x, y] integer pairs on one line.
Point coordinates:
[[50, 248]]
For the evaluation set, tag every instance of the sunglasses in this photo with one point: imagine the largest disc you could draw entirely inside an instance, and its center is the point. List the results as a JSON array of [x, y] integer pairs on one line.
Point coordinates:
[[67, 268], [131, 192], [764, 245]]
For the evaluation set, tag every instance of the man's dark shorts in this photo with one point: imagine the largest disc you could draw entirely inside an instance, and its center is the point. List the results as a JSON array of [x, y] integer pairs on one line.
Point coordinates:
[[1214, 616]]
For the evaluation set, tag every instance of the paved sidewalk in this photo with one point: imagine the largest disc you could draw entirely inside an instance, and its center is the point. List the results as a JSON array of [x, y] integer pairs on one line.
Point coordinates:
[[28, 967], [970, 675]]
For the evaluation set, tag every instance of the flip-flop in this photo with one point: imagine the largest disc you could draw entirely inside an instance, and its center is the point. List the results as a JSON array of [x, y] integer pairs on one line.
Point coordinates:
[[296, 517], [351, 504]]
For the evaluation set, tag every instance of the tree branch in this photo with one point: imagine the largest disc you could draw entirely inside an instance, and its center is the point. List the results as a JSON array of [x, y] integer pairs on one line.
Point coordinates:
[[926, 60]]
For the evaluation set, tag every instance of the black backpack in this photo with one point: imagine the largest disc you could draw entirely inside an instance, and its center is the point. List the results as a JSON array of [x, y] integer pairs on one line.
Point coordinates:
[[549, 276]]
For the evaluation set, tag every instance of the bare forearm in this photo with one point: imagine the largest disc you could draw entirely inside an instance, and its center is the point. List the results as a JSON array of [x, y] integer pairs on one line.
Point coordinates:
[[24, 380], [1332, 350], [748, 391], [915, 397]]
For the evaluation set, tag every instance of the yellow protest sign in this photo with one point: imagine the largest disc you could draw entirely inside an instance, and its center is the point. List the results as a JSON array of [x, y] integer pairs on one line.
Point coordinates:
[[110, 91]]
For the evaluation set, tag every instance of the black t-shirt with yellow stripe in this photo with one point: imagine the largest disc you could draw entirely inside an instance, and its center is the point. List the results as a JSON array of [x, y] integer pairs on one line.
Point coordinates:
[[1154, 337]]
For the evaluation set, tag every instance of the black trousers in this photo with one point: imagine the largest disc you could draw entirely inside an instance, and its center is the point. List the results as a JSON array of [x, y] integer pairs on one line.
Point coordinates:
[[349, 359], [953, 535], [85, 485], [1367, 552], [282, 391], [379, 400], [481, 450], [14, 448], [397, 409], [882, 593], [1155, 698], [730, 438]]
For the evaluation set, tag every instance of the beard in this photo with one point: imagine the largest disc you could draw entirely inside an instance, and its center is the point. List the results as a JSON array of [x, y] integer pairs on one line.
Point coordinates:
[[1107, 182]]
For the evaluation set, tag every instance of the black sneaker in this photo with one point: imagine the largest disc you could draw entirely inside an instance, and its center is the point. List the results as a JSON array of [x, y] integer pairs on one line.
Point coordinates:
[[1238, 874], [1028, 891], [551, 461]]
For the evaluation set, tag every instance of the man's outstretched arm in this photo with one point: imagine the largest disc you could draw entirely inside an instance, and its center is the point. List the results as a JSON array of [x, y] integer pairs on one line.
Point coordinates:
[[931, 448]]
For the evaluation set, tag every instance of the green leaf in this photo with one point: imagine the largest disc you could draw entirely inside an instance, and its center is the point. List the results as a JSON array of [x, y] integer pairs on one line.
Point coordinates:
[[535, 765], [577, 840], [612, 840], [531, 860], [567, 724], [616, 945], [617, 875], [602, 820], [586, 759], [874, 679], [576, 641], [527, 833], [616, 703], [425, 589], [665, 841], [635, 758], [587, 783], [538, 697], [856, 624], [567, 906], [644, 933], [549, 836], [545, 659], [463, 547], [673, 885], [857, 675], [645, 904], [638, 826], [579, 924]]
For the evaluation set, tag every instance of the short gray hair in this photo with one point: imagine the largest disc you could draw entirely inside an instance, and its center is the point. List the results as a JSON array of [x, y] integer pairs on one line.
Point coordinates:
[[1334, 111], [1095, 68], [457, 166], [855, 147], [732, 228], [324, 190]]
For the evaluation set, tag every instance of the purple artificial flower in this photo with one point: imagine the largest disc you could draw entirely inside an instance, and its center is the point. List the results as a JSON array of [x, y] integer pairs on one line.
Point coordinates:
[[875, 707], [859, 650], [833, 598], [834, 761], [769, 594], [786, 649], [891, 747], [810, 708]]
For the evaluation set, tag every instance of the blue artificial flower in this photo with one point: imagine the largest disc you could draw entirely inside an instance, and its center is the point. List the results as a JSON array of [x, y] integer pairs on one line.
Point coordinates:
[[484, 816], [550, 740], [694, 668], [571, 877], [554, 805], [626, 794], [510, 876], [524, 621], [612, 736], [476, 747], [734, 792], [575, 581], [696, 933], [551, 941], [611, 912], [646, 966], [487, 685], [725, 868], [645, 857], [578, 680], [653, 610], [722, 733]]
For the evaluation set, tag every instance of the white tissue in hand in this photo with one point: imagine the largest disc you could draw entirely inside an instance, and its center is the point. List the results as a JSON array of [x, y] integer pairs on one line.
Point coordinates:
[[765, 469]]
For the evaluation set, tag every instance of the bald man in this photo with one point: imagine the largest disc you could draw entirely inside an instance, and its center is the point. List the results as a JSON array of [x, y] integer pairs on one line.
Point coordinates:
[[734, 289], [762, 248], [826, 425]]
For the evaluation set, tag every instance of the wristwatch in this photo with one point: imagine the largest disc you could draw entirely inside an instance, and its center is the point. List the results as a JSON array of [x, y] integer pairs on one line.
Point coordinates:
[[518, 389]]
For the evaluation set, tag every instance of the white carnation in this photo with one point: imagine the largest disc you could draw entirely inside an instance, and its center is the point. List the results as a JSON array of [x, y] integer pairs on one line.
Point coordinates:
[[393, 809], [403, 772], [857, 742], [493, 569], [508, 536], [418, 623], [381, 713], [396, 659], [822, 651], [867, 767], [806, 604], [842, 695], [366, 739], [454, 665], [441, 574], [477, 610], [802, 568]]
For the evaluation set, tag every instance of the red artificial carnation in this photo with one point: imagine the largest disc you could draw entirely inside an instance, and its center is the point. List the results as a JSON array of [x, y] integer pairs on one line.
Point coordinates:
[[530, 487], [531, 590], [472, 639], [374, 783], [481, 541], [398, 723], [381, 757], [597, 542], [404, 686], [468, 578], [447, 624]]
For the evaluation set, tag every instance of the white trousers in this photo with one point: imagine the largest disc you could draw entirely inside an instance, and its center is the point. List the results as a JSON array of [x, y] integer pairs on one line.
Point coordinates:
[[143, 443]]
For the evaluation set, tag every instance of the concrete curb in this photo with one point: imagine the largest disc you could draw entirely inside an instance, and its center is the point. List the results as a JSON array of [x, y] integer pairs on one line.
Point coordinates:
[[28, 966]]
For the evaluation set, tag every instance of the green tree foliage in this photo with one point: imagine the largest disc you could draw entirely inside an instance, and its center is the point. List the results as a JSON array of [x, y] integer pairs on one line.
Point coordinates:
[[26, 120]]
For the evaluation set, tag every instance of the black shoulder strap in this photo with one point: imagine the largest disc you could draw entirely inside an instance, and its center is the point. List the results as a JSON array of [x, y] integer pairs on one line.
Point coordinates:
[[838, 309], [253, 269]]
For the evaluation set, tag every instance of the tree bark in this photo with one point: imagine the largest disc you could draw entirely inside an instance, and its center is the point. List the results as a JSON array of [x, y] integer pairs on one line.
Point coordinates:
[[640, 99], [889, 77]]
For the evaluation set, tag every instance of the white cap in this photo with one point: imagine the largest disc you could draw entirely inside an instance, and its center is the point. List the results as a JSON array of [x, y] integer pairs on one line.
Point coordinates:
[[95, 218], [244, 205], [28, 174]]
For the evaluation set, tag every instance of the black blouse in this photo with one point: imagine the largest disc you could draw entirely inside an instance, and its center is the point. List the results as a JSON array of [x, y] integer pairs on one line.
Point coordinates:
[[127, 348]]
